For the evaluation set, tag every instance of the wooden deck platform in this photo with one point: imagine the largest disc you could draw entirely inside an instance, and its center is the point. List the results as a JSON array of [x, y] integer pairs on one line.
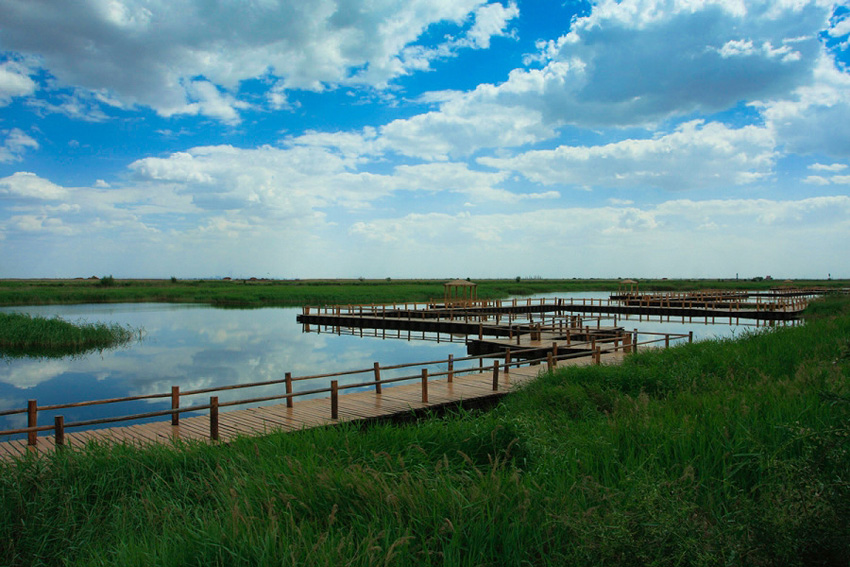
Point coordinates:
[[263, 420]]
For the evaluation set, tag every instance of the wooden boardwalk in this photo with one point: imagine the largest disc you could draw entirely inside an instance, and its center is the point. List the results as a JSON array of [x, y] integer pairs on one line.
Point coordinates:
[[263, 420]]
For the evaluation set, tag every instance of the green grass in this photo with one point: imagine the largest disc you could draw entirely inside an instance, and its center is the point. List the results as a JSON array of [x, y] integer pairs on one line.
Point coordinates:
[[246, 293], [26, 335], [713, 453]]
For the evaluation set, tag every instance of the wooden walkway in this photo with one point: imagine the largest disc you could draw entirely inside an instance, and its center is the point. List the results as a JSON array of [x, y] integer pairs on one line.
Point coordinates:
[[264, 420]]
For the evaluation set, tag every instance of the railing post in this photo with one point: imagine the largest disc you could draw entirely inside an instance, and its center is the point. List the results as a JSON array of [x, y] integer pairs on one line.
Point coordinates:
[[214, 418], [175, 405], [666, 340], [32, 421], [690, 336], [59, 430], [288, 378], [451, 374], [635, 343], [424, 385], [496, 376], [598, 355], [550, 361], [334, 399], [507, 361], [377, 378]]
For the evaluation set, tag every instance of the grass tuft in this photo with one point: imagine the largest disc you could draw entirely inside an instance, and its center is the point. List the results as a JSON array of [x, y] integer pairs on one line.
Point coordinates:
[[25, 335]]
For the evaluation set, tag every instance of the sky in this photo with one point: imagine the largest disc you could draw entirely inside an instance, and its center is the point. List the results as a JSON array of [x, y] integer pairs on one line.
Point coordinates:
[[424, 138]]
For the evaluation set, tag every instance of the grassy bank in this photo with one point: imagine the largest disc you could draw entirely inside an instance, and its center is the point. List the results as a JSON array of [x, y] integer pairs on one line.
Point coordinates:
[[712, 453], [25, 335], [247, 293]]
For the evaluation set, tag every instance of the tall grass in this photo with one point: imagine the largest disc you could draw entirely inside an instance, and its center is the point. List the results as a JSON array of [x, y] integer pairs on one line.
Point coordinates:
[[26, 335], [715, 453]]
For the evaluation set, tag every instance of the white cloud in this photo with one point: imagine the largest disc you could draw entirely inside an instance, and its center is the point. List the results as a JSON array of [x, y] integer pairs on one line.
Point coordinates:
[[638, 61], [15, 144], [695, 155], [28, 185], [491, 20], [630, 63], [191, 57], [806, 121], [459, 130], [15, 81], [816, 180], [681, 238], [828, 167]]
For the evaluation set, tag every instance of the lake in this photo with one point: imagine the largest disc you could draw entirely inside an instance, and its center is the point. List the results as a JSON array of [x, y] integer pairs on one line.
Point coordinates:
[[198, 346]]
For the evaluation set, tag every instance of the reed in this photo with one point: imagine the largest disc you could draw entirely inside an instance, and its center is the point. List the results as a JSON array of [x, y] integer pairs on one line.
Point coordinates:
[[25, 335], [718, 452]]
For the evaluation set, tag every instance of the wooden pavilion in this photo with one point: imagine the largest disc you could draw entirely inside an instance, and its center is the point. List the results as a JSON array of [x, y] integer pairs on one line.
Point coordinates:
[[627, 287], [459, 292]]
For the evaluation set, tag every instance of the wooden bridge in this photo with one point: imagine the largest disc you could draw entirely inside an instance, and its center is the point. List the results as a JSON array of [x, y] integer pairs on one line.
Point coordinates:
[[373, 396]]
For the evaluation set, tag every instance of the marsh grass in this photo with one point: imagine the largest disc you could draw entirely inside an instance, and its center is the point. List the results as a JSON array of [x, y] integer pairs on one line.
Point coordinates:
[[246, 293], [25, 335], [718, 452]]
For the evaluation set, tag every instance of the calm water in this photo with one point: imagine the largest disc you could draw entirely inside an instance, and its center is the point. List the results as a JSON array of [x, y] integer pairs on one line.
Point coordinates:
[[195, 346]]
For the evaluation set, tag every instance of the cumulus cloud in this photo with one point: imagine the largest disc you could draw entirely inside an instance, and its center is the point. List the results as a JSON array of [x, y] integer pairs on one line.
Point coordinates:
[[26, 185], [694, 155], [806, 120], [639, 61], [629, 63], [191, 57]]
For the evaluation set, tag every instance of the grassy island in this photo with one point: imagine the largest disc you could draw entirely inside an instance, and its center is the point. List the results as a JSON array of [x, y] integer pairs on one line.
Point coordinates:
[[712, 453], [25, 335]]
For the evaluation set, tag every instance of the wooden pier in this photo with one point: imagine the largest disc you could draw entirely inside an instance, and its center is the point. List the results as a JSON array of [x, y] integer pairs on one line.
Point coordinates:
[[453, 381], [509, 318]]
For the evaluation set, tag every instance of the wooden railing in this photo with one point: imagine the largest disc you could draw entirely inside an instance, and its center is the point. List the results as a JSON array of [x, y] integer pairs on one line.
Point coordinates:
[[626, 343]]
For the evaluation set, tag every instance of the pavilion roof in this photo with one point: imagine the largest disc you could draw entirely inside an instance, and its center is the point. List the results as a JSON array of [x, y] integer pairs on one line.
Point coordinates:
[[458, 283]]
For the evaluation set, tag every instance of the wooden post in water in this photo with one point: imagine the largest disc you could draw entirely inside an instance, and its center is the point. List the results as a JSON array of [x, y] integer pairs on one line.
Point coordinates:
[[334, 399], [214, 418], [175, 405], [507, 361], [32, 421], [690, 336], [424, 385], [377, 368], [451, 374], [496, 376], [666, 340], [59, 430], [635, 342]]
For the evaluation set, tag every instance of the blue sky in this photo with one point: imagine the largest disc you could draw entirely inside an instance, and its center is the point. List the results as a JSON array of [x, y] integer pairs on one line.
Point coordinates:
[[426, 138]]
